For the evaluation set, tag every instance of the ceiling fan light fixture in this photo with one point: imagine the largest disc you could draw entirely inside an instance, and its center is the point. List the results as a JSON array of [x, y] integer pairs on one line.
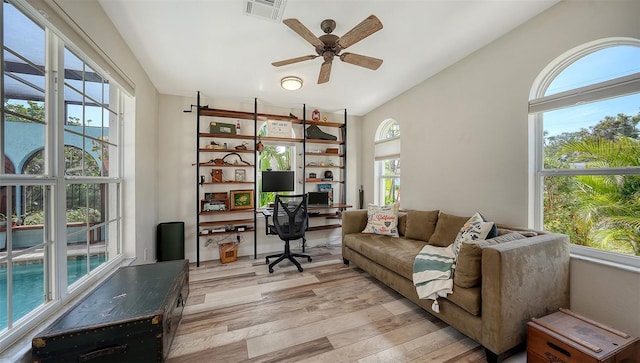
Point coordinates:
[[291, 83]]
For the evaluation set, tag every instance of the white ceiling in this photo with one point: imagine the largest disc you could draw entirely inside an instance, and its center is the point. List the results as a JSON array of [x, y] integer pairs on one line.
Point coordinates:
[[211, 46]]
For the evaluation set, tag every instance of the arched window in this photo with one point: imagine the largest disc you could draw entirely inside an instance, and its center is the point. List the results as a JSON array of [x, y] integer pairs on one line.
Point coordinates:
[[586, 111], [387, 163]]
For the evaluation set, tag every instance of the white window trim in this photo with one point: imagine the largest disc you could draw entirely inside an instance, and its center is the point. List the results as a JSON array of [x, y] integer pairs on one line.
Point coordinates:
[[60, 293], [539, 103]]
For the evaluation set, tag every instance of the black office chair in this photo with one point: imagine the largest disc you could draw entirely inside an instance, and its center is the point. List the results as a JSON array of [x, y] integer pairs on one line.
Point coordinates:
[[290, 221]]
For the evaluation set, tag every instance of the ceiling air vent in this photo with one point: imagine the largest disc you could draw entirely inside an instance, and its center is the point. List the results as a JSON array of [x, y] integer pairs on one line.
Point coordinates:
[[265, 9]]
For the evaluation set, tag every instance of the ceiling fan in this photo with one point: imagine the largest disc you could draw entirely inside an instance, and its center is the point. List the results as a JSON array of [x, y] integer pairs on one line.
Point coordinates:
[[329, 45]]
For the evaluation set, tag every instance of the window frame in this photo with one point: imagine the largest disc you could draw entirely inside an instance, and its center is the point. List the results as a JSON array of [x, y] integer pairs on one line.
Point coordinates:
[[386, 148], [57, 290], [538, 104]]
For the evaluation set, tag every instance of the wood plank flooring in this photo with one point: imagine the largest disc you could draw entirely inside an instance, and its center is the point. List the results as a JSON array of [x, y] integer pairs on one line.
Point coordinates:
[[331, 312]]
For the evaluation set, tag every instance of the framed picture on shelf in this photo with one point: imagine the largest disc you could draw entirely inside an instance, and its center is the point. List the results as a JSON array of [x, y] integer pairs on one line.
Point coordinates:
[[241, 199], [208, 196], [241, 175], [278, 128]]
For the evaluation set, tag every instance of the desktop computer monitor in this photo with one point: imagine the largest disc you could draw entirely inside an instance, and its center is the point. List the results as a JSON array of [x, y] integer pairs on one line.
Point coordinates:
[[278, 181]]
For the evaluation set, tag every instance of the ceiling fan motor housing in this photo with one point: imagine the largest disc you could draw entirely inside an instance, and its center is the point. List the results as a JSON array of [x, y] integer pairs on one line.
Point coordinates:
[[330, 45]]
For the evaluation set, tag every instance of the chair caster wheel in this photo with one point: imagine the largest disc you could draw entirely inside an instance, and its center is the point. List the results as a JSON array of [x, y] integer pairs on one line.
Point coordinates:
[[270, 270], [309, 259], [299, 269]]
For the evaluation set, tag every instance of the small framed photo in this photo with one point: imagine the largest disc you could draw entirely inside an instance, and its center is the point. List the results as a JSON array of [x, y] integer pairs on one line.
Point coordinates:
[[208, 196], [241, 175], [241, 199]]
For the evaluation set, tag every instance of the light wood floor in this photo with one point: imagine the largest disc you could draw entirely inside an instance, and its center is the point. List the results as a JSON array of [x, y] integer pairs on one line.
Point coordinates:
[[331, 312]]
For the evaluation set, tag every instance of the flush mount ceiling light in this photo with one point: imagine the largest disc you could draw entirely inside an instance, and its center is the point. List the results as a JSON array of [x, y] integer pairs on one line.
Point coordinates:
[[291, 83]]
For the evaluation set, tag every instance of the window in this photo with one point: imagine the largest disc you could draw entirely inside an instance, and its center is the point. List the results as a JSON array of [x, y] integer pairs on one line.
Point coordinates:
[[586, 114], [60, 217], [387, 167], [273, 157]]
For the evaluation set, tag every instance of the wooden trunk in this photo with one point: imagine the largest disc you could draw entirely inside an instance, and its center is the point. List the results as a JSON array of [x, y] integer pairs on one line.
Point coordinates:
[[130, 317], [566, 337]]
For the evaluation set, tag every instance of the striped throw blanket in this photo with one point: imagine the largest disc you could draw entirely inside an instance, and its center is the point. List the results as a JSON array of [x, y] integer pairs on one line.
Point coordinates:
[[433, 273]]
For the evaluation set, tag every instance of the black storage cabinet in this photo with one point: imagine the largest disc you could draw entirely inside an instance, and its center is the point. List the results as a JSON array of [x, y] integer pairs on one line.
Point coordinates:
[[130, 317], [170, 241]]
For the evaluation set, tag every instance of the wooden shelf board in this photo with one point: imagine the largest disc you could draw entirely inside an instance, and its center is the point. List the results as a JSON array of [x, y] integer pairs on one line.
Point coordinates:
[[228, 182], [226, 136], [325, 166], [231, 221], [284, 139], [226, 113], [223, 212], [226, 165], [320, 141], [323, 154], [322, 123], [324, 181], [224, 150], [248, 229], [267, 116], [213, 112], [328, 226]]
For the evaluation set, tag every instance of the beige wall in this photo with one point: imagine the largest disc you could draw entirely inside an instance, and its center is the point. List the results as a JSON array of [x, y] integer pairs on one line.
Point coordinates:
[[465, 136]]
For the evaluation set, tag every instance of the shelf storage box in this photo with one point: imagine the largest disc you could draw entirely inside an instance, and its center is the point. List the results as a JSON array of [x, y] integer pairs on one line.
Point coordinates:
[[222, 128], [228, 252]]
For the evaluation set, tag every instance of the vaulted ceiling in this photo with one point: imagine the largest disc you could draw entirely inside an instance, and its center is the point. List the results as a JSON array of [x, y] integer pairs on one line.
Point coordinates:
[[213, 47]]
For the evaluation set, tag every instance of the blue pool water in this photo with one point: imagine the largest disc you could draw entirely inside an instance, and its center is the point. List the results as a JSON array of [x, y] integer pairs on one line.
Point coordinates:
[[28, 285]]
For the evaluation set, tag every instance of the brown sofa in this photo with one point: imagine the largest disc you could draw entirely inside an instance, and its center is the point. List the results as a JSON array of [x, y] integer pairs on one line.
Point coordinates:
[[516, 280]]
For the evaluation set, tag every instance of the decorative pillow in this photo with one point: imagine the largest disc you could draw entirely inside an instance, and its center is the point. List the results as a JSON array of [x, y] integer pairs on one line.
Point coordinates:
[[382, 219], [421, 224], [474, 229], [468, 271], [511, 236], [447, 229]]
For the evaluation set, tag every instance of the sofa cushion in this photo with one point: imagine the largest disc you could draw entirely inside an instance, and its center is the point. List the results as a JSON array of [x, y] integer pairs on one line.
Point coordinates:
[[402, 222], [382, 219], [396, 254], [447, 229], [468, 271], [421, 224], [467, 298]]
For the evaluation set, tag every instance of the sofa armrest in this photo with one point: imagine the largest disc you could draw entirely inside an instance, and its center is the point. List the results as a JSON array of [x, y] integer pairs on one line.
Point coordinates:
[[354, 221], [521, 280]]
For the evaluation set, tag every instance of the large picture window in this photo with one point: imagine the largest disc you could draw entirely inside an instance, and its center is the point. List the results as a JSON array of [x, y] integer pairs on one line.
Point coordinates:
[[60, 217], [586, 114]]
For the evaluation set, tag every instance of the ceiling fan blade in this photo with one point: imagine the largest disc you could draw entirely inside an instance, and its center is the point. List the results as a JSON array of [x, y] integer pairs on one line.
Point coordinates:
[[293, 60], [367, 27], [325, 72], [361, 60], [302, 31]]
